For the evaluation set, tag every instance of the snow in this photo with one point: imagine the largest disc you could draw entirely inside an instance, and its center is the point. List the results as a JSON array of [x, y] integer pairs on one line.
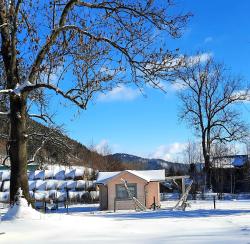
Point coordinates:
[[70, 173], [79, 172], [148, 175], [41, 185], [71, 184], [39, 175], [61, 184], [19, 88], [41, 195], [48, 174], [61, 196], [104, 177], [80, 184], [21, 211], [51, 184], [229, 223]]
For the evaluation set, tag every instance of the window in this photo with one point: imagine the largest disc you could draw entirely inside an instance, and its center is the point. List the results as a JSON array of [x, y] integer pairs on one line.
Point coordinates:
[[121, 192]]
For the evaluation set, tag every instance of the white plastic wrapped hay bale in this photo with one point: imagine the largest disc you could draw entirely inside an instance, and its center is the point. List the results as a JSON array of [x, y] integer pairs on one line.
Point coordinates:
[[94, 195], [70, 174], [79, 173], [31, 193], [48, 174], [71, 185], [61, 185], [53, 194], [41, 196], [4, 197], [81, 193], [31, 175], [51, 184], [59, 174], [61, 196], [39, 175], [80, 185], [6, 186], [73, 195], [85, 197], [88, 172], [5, 175], [41, 185], [89, 185], [32, 185]]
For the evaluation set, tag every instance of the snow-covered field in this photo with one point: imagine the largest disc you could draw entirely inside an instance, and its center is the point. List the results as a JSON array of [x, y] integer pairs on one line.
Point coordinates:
[[229, 223]]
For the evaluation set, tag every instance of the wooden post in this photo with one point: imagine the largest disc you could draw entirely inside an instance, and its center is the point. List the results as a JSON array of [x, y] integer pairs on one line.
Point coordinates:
[[154, 204], [114, 204], [67, 200], [183, 186], [214, 203]]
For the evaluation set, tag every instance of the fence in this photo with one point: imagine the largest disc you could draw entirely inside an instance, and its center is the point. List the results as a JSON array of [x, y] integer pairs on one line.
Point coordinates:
[[205, 196]]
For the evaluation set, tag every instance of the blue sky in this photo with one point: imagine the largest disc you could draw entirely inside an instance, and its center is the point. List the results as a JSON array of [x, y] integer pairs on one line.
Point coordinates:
[[149, 126]]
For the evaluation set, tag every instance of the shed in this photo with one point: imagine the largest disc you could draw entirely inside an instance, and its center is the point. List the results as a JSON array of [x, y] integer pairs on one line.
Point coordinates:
[[142, 184]]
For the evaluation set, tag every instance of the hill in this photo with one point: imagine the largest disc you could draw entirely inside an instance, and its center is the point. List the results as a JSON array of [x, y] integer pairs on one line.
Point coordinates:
[[146, 163], [61, 149], [52, 146]]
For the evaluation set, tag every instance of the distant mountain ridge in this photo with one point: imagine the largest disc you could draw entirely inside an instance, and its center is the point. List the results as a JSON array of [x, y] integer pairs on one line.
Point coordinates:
[[150, 164]]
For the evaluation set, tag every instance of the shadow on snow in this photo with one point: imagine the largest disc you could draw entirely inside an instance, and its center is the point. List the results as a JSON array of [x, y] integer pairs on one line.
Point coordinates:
[[175, 214]]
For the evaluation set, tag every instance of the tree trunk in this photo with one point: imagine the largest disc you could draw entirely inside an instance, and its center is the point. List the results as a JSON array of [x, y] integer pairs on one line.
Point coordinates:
[[206, 157], [18, 147], [208, 170]]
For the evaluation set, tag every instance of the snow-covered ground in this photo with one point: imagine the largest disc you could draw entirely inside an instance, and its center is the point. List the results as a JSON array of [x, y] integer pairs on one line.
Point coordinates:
[[229, 223]]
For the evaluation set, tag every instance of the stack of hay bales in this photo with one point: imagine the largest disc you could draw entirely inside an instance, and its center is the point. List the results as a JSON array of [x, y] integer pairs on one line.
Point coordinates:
[[60, 185]]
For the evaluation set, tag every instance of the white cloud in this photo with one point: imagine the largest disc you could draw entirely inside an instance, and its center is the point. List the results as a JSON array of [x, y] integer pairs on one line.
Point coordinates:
[[169, 152], [244, 96], [102, 146], [178, 85], [208, 39], [120, 93], [203, 57]]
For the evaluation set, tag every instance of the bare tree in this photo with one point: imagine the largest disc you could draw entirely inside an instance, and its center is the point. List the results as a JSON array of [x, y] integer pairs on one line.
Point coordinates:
[[77, 48], [192, 153], [209, 96]]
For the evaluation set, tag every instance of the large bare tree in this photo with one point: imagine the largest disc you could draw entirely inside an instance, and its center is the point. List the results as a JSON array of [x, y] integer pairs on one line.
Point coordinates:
[[77, 48], [209, 96]]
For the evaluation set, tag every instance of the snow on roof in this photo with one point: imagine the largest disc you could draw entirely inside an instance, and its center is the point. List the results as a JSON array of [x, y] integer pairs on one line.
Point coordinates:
[[104, 177], [148, 175]]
